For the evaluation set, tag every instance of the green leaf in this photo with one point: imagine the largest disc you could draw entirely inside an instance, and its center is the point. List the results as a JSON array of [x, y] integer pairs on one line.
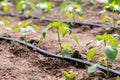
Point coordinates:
[[80, 13], [81, 17], [68, 47], [25, 24], [44, 6], [68, 75], [105, 18], [46, 29], [110, 1], [69, 15], [107, 37], [50, 5], [17, 30], [75, 39], [64, 29], [101, 58], [66, 50], [44, 33], [117, 2], [14, 27], [37, 27], [18, 6], [113, 43], [5, 8], [91, 54], [5, 22], [92, 68], [111, 53], [27, 13], [99, 37]]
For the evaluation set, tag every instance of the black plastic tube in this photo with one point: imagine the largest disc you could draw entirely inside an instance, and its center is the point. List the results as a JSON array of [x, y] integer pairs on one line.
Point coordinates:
[[43, 52], [52, 20]]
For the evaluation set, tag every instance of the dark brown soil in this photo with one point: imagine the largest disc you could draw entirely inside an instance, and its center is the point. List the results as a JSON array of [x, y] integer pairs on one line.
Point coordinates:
[[18, 63]]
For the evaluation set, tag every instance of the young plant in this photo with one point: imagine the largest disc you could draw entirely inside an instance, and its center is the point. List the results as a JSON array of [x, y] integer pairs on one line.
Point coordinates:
[[62, 29], [69, 75], [24, 6], [5, 5], [45, 7], [5, 23], [24, 28], [110, 51], [114, 6], [72, 10]]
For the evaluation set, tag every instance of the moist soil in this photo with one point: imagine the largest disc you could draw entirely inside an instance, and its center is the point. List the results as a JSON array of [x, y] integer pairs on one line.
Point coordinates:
[[19, 63]]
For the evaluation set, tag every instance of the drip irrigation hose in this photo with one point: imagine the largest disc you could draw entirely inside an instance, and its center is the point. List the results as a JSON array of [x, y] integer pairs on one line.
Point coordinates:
[[52, 20], [43, 52]]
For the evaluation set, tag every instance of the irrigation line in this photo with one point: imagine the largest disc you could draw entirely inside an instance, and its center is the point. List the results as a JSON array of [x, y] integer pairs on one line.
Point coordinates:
[[54, 20], [45, 53]]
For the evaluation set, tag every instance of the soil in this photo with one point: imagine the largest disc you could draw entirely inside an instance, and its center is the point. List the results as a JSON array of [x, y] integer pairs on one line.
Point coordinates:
[[18, 63]]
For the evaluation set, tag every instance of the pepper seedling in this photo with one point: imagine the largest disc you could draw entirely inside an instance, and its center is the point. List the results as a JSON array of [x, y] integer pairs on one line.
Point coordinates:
[[71, 10], [24, 28], [110, 51], [5, 5], [24, 6], [114, 6], [5, 23], [62, 29], [45, 7], [69, 75]]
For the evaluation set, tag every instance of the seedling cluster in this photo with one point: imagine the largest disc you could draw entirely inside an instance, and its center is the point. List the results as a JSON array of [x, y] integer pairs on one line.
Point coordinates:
[[109, 41], [114, 7], [110, 50], [71, 10]]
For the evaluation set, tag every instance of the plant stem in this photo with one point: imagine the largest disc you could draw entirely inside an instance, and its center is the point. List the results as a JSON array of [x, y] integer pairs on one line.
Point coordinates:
[[40, 41], [25, 42], [59, 41], [74, 16], [108, 72], [113, 18]]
